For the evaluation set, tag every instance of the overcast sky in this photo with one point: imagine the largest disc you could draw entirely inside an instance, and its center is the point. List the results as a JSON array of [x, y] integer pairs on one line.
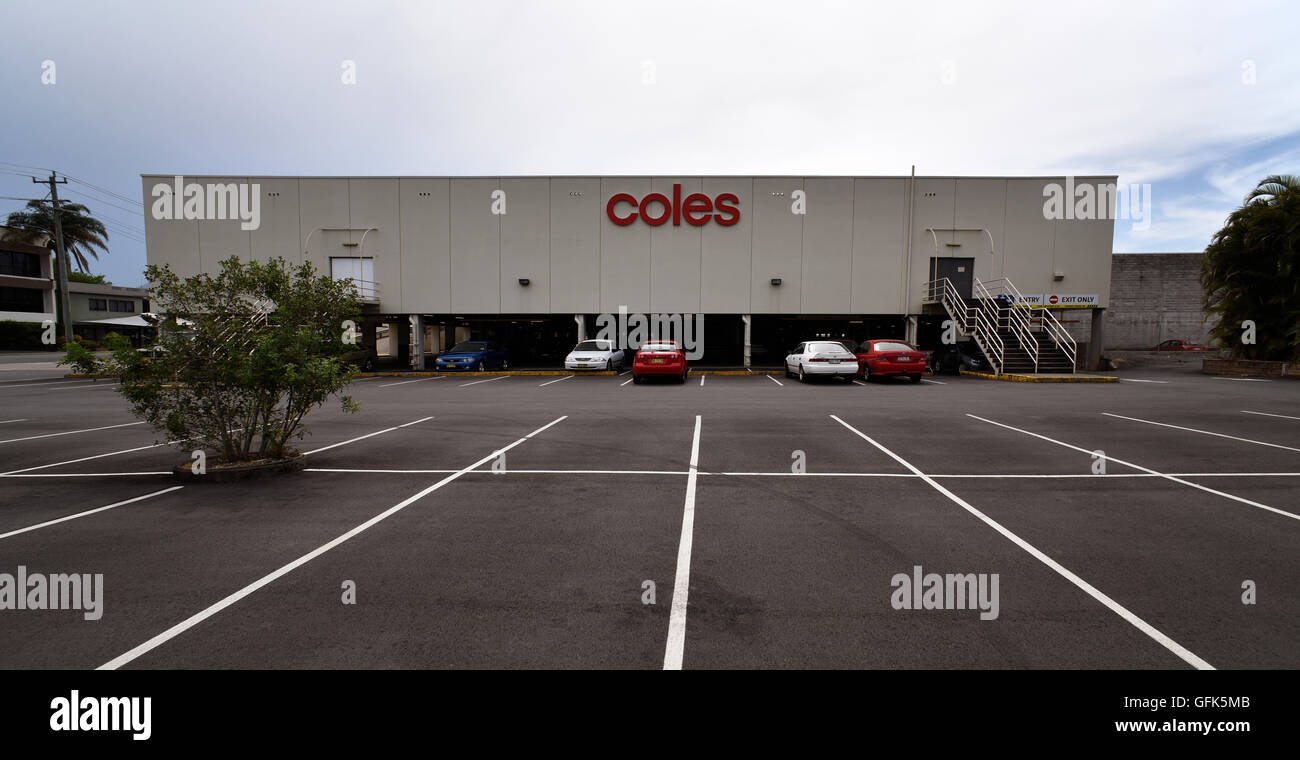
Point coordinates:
[[1199, 100]]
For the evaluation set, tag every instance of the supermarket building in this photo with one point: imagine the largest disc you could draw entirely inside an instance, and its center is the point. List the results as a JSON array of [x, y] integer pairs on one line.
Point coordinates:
[[768, 261]]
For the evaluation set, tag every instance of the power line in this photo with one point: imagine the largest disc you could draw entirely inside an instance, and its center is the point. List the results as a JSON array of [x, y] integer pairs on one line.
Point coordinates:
[[105, 191], [106, 203]]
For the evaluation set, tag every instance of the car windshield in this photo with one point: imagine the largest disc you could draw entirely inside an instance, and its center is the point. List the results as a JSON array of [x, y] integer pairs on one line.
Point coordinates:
[[826, 348], [469, 347], [591, 345], [892, 345], [659, 347]]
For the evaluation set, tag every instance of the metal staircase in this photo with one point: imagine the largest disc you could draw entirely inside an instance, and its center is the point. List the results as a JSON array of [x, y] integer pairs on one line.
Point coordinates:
[[1015, 337]]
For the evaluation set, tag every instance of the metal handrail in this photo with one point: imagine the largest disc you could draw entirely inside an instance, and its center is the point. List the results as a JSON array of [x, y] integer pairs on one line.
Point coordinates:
[[1017, 322], [1061, 337], [980, 322]]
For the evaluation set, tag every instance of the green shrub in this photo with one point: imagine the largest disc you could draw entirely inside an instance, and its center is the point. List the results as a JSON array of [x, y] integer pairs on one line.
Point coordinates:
[[80, 359]]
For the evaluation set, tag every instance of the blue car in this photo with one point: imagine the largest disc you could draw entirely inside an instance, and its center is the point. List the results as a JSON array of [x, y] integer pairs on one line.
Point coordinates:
[[474, 355]]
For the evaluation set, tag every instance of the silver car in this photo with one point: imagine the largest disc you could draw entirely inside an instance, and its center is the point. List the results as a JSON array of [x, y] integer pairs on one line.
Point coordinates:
[[594, 354], [821, 358]]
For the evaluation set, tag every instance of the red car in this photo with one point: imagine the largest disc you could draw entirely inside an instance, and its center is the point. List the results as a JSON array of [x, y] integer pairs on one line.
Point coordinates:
[[664, 358], [1179, 345], [881, 358]]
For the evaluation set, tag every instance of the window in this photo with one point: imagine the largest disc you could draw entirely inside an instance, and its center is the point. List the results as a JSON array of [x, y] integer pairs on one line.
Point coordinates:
[[122, 306], [22, 299], [98, 304], [18, 264]]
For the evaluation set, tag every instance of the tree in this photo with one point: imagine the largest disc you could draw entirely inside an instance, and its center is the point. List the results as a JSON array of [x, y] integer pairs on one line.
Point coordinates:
[[1251, 273], [82, 233], [92, 279], [240, 358]]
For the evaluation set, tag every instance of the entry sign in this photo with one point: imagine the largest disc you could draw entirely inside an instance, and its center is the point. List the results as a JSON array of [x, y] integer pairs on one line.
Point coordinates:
[[1071, 300]]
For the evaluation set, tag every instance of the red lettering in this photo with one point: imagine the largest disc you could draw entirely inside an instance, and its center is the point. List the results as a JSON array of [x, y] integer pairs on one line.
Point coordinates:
[[621, 221], [660, 198], [698, 203], [698, 209], [732, 212]]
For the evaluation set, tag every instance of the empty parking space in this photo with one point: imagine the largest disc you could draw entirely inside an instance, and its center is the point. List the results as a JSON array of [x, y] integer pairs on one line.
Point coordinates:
[[797, 527]]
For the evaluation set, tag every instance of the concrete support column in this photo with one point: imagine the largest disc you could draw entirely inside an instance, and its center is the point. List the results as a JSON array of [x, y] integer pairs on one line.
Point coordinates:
[[910, 329], [582, 326], [1096, 339], [416, 344], [747, 320]]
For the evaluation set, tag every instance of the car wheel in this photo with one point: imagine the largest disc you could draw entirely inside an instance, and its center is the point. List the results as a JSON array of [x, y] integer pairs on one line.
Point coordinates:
[[803, 378], [866, 373], [609, 365], [788, 374], [636, 379], [916, 379]]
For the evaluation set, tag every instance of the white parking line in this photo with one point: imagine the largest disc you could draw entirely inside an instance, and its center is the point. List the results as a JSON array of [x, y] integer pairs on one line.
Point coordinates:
[[1167, 476], [702, 379], [1266, 414], [96, 386], [52, 383], [625, 382], [363, 437], [549, 382], [89, 512], [404, 382], [1135, 380], [88, 474], [1246, 379], [488, 380], [2, 422], [682, 582], [623, 373], [779, 474], [936, 382], [1182, 652], [199, 617], [859, 382], [87, 459], [773, 379], [71, 432], [1204, 432]]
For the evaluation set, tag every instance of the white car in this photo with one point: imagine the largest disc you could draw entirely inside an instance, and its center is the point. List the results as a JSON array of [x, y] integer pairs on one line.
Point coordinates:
[[821, 358], [594, 354]]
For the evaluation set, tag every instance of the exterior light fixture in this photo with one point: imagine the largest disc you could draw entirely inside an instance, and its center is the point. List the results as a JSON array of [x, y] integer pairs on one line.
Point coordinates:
[[524, 281], [776, 282]]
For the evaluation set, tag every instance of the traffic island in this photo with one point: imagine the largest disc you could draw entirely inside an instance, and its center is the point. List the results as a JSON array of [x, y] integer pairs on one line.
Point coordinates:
[[217, 472]]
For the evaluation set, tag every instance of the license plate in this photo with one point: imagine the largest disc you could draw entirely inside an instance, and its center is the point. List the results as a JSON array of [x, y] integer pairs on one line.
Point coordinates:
[[656, 361], [902, 359], [835, 361]]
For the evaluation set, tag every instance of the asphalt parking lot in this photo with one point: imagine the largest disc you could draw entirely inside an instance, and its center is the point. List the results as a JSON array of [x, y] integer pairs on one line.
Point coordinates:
[[462, 558]]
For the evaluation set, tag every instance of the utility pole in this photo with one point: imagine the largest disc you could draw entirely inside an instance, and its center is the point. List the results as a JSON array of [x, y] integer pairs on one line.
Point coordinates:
[[61, 256]]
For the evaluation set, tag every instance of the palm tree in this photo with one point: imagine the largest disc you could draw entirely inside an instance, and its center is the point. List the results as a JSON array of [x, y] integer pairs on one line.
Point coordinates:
[[1251, 271], [82, 233]]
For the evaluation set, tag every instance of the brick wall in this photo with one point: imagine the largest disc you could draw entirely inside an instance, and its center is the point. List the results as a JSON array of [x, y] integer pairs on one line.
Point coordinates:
[[1155, 297]]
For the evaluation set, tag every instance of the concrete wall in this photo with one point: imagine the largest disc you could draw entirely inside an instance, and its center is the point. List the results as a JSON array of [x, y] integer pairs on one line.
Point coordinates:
[[439, 249], [1155, 297]]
